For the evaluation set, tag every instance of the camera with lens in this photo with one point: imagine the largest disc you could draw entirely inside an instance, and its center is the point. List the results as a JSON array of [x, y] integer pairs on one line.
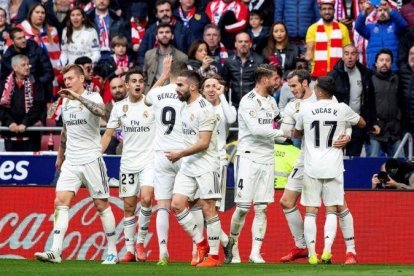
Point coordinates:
[[383, 179]]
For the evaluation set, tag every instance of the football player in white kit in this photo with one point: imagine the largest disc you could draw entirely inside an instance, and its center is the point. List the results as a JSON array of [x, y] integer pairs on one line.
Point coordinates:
[[168, 136], [213, 90], [199, 168], [298, 81], [321, 123], [137, 122], [254, 168], [80, 161]]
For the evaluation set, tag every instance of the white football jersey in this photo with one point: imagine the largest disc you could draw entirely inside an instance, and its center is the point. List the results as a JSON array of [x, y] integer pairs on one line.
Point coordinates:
[[323, 122], [256, 134], [197, 117], [167, 109], [223, 125], [83, 143], [138, 125]]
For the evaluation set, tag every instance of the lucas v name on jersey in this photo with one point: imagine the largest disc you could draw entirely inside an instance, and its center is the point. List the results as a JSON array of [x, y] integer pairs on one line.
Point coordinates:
[[321, 110]]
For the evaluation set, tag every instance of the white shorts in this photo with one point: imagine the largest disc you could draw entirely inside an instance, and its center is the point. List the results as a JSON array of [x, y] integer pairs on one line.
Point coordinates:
[[254, 181], [131, 183], [295, 179], [223, 187], [164, 175], [92, 175], [330, 190], [206, 184]]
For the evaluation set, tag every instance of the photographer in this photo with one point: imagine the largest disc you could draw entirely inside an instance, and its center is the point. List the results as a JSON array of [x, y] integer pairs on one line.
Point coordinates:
[[394, 174]]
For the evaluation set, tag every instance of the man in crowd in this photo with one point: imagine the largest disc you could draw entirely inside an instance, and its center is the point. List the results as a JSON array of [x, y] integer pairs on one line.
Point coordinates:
[[80, 162], [217, 49], [406, 88]]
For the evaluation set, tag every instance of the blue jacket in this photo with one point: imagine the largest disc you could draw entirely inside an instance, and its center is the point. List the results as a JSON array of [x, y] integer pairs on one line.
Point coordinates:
[[182, 40], [298, 15], [382, 35], [197, 23]]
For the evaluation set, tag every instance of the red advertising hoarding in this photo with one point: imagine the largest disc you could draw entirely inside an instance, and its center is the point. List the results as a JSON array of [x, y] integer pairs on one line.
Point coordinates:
[[383, 228]]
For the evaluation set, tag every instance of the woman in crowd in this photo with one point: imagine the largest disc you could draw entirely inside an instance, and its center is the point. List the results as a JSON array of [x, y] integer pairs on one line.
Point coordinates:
[[279, 51], [199, 60], [79, 38]]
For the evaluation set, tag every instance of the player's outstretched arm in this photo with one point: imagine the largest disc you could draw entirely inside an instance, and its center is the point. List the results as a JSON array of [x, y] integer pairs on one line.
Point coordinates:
[[361, 123], [62, 149], [97, 109], [106, 138]]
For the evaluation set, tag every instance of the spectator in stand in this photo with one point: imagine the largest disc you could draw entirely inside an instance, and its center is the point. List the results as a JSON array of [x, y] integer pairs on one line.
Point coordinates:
[[107, 24], [194, 18], [200, 61], [92, 83], [182, 37], [26, 5], [388, 113], [298, 16], [231, 16], [4, 31], [79, 38], [385, 32], [22, 103], [406, 41], [217, 49], [40, 66], [352, 87], [118, 93], [406, 88], [139, 23], [279, 51], [153, 62], [325, 39], [35, 28], [360, 42], [239, 69], [257, 31], [407, 11], [119, 63], [14, 10], [265, 7]]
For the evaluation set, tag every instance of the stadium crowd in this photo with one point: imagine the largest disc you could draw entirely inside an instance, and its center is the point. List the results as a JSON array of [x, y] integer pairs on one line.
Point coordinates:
[[360, 52]]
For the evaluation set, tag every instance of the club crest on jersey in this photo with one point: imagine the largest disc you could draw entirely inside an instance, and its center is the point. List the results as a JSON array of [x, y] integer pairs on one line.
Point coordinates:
[[297, 106], [124, 109], [81, 106], [191, 117], [145, 114]]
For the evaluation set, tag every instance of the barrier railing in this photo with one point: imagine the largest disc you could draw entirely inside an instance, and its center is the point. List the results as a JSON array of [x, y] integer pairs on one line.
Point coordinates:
[[408, 138]]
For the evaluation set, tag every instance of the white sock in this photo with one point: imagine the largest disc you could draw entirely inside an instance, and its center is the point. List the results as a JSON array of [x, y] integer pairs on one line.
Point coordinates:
[[295, 222], [60, 226], [238, 219], [186, 220], [213, 234], [346, 222], [108, 223], [197, 212], [258, 228], [130, 224], [330, 230], [143, 223], [309, 226], [224, 239], [163, 225]]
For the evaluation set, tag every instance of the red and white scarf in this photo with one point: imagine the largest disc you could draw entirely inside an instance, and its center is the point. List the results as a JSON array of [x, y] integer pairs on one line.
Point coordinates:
[[224, 55], [218, 8], [9, 90], [103, 34], [186, 17], [321, 48], [121, 62], [137, 31]]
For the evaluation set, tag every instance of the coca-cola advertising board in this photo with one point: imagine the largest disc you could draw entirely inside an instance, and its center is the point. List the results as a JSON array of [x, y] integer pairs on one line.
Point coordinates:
[[383, 228]]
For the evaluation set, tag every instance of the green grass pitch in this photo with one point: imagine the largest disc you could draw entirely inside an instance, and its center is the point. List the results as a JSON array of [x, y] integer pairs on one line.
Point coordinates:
[[31, 267]]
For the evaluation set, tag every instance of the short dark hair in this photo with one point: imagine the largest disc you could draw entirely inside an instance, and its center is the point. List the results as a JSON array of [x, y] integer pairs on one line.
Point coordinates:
[[164, 25], [75, 67], [193, 76], [257, 13], [384, 51], [178, 66], [132, 71], [266, 70], [83, 60], [302, 75], [162, 2], [14, 31], [326, 84]]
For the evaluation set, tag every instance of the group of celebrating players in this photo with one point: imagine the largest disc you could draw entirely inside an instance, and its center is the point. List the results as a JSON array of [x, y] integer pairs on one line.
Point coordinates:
[[174, 149]]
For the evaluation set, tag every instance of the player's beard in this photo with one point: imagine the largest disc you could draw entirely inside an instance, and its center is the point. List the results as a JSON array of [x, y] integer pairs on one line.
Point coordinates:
[[185, 96]]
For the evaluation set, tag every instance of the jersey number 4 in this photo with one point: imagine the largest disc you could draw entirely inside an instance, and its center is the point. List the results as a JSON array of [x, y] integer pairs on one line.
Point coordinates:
[[317, 126], [168, 118]]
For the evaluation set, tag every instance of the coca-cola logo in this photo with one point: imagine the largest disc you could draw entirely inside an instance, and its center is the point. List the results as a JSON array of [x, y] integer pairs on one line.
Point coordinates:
[[22, 235]]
